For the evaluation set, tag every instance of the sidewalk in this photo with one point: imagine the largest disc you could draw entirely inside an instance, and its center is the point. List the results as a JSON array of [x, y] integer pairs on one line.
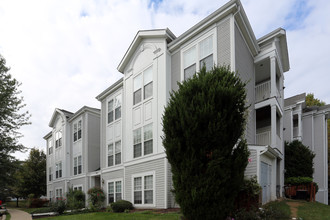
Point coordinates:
[[19, 215]]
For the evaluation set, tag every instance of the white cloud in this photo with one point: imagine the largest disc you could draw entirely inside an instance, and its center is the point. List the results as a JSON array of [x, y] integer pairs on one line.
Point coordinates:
[[66, 52]]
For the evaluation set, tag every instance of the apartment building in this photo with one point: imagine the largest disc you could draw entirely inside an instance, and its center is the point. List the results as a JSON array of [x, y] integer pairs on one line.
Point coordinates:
[[309, 125], [132, 159], [73, 150]]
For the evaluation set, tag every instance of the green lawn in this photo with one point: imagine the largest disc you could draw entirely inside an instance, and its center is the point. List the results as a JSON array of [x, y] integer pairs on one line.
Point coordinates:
[[313, 211], [106, 215]]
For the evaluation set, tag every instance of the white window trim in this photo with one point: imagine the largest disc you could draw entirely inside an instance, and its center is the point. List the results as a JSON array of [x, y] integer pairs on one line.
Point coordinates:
[[141, 72], [113, 98], [76, 186], [114, 153], [78, 165], [77, 123], [195, 42], [114, 181], [142, 141], [58, 188], [153, 173], [57, 132]]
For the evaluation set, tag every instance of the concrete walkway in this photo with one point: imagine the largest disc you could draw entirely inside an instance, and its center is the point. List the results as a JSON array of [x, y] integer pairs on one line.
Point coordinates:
[[19, 215]]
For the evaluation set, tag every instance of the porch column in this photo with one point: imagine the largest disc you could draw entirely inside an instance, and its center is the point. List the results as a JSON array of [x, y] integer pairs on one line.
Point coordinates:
[[299, 127], [272, 76], [273, 126]]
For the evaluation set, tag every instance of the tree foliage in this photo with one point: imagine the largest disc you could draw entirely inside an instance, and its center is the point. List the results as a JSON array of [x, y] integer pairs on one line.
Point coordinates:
[[311, 101], [298, 160], [11, 119], [32, 176], [203, 128]]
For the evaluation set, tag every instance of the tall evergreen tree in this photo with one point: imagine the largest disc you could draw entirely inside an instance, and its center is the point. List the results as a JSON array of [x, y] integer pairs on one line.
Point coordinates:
[[203, 126], [11, 119]]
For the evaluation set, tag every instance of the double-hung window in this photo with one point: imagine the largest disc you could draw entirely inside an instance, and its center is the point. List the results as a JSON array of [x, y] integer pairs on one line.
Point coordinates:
[[58, 172], [110, 111], [114, 153], [50, 146], [58, 193], [143, 189], [114, 191], [50, 174], [114, 109], [146, 78], [58, 139], [145, 145], [77, 131], [75, 188], [118, 107], [77, 165], [198, 55]]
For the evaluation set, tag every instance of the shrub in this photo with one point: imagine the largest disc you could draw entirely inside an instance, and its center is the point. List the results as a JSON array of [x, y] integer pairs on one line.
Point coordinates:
[[59, 206], [121, 206], [296, 181], [298, 160], [203, 126], [96, 198], [248, 196], [75, 199]]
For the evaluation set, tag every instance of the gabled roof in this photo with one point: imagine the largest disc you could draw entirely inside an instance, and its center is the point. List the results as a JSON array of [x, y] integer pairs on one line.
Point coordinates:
[[233, 6], [64, 114], [279, 33], [295, 99], [110, 89], [83, 110], [144, 34]]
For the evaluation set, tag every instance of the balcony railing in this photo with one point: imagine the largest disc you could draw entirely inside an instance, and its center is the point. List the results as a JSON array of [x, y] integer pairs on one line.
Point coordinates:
[[262, 91], [263, 138]]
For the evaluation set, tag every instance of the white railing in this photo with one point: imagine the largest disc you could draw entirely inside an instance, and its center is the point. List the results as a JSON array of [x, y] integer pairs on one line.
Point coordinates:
[[262, 91], [263, 138], [295, 132]]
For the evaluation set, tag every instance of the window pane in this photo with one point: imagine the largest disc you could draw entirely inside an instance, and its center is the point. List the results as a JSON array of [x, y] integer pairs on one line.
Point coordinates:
[[79, 161], [110, 105], [111, 198], [75, 136], [208, 62], [148, 147], [79, 134], [118, 101], [118, 187], [75, 171], [75, 128], [148, 182], [189, 71], [206, 47], [110, 161], [137, 96], [137, 82], [118, 197], [79, 125], [138, 197], [118, 158], [137, 183], [118, 147], [79, 169], [148, 197], [110, 117], [189, 57], [148, 90], [147, 132], [137, 150], [118, 113], [137, 136], [111, 187], [110, 149], [75, 162], [147, 76]]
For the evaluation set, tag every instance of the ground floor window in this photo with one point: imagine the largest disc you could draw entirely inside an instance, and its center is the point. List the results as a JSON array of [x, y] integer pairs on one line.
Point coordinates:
[[143, 187], [58, 193], [114, 191], [77, 188]]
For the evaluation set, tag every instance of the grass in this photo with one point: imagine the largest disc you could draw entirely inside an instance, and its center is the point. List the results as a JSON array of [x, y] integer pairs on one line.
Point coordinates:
[[313, 211], [119, 216]]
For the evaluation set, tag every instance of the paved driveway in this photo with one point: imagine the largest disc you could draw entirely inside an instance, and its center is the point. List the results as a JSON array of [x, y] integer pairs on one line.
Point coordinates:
[[19, 215]]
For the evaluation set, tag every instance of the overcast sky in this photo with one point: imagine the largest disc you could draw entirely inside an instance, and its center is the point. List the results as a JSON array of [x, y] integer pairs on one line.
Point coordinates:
[[66, 52]]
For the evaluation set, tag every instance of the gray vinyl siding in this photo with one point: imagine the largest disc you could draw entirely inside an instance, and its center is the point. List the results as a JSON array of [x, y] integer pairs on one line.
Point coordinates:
[[287, 125], [103, 152], [319, 150], [251, 169], [308, 132], [175, 71], [155, 165], [79, 181], [113, 175], [223, 42], [93, 142], [245, 68]]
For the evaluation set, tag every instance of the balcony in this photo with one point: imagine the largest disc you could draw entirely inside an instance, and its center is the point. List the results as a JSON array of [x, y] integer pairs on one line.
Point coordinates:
[[262, 91], [263, 138]]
